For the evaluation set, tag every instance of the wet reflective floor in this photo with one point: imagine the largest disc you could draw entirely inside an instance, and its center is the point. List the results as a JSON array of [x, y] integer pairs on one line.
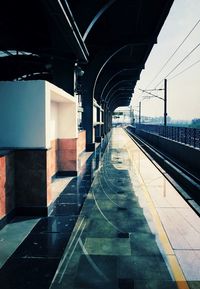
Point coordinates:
[[31, 248], [133, 230]]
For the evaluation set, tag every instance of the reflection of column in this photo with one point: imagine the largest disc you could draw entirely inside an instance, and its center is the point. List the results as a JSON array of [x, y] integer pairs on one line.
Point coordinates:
[[110, 120], [102, 120], [98, 126]]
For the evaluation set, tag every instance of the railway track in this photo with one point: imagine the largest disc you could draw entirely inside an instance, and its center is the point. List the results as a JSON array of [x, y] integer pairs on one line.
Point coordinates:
[[186, 183]]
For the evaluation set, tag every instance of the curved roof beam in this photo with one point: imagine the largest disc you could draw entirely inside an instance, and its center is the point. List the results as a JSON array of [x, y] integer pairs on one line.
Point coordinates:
[[114, 87], [117, 104], [103, 65], [109, 81], [110, 74], [123, 98], [96, 18], [116, 95], [95, 68]]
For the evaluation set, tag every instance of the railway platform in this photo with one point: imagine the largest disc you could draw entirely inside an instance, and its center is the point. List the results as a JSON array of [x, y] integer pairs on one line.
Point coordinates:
[[134, 231]]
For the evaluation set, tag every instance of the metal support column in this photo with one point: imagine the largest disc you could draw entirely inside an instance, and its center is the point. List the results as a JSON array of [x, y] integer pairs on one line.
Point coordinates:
[[140, 108], [165, 102]]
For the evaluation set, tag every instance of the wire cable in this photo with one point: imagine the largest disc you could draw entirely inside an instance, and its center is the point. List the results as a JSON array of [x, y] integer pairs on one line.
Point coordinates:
[[180, 62], [168, 60], [185, 69]]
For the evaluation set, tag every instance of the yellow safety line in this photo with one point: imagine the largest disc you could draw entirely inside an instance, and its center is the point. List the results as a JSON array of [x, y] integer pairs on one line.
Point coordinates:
[[171, 257]]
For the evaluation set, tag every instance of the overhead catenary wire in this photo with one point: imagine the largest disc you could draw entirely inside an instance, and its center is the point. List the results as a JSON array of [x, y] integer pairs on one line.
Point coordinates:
[[187, 68], [176, 66], [168, 60]]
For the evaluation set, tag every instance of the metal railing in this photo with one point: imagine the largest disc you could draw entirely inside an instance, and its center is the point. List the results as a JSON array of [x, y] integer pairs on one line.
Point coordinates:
[[185, 135]]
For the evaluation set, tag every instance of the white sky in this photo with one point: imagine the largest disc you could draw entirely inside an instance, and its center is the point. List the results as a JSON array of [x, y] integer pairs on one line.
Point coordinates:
[[183, 90]]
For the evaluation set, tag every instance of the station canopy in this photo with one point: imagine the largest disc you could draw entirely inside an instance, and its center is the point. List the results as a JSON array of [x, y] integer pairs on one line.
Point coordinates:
[[111, 39]]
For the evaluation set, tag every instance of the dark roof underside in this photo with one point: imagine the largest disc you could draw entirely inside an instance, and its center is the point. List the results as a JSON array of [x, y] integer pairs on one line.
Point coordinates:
[[35, 32]]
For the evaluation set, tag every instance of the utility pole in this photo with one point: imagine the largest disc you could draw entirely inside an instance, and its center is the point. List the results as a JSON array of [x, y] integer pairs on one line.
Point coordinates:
[[133, 117], [140, 112], [165, 102], [162, 98]]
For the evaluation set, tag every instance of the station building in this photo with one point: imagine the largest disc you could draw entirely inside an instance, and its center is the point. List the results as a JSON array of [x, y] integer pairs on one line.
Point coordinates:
[[82, 204], [65, 66]]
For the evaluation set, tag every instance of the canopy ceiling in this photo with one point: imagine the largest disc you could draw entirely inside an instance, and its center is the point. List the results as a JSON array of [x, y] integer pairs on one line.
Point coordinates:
[[110, 38]]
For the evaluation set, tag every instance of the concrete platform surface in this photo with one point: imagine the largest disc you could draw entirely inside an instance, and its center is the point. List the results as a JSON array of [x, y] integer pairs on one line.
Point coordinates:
[[134, 230]]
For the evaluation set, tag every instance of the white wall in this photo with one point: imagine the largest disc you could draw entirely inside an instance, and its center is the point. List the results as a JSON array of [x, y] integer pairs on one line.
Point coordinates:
[[32, 113], [54, 121], [67, 120], [22, 117], [67, 106]]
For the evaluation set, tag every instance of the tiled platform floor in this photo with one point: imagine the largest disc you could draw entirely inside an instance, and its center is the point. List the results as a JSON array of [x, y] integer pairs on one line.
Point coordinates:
[[134, 231], [31, 248]]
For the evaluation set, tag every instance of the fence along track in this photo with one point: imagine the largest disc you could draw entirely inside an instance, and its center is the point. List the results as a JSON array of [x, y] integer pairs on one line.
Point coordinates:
[[184, 181]]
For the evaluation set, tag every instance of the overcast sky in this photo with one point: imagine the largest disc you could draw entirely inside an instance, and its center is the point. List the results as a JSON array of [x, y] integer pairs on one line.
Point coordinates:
[[183, 90]]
